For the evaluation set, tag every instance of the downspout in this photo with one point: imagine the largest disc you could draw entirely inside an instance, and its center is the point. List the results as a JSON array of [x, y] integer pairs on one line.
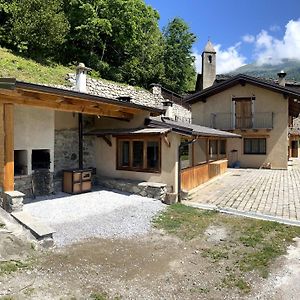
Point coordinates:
[[179, 165], [80, 141]]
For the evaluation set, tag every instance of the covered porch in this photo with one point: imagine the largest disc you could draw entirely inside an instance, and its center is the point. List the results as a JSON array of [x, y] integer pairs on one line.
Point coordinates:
[[18, 97]]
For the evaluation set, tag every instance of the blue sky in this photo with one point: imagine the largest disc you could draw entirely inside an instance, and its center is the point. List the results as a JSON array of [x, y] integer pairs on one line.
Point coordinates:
[[242, 31]]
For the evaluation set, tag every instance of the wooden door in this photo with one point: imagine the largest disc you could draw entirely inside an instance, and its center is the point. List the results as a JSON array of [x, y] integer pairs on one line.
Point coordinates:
[[243, 114]]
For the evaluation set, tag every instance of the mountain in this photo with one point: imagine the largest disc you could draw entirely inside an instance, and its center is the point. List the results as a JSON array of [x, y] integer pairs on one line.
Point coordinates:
[[290, 66]]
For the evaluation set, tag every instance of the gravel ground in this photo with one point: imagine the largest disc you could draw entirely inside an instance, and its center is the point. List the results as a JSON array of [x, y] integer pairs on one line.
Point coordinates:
[[105, 214]]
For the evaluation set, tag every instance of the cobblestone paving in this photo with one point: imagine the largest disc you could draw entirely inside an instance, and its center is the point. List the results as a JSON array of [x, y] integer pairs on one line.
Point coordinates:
[[271, 192]]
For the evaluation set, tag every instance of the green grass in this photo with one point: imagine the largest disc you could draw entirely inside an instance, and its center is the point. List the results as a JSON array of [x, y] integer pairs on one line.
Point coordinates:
[[9, 267], [251, 246], [28, 70], [24, 69], [184, 221]]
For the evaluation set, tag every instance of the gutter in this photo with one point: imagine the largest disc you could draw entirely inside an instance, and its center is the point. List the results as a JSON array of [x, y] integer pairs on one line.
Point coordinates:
[[179, 165]]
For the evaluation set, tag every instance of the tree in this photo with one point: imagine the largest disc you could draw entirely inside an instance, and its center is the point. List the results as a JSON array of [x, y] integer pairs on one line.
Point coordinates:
[[178, 59], [37, 27], [118, 38]]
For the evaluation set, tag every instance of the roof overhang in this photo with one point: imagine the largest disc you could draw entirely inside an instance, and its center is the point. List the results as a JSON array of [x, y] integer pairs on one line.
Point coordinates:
[[23, 93], [242, 80], [191, 130], [128, 132]]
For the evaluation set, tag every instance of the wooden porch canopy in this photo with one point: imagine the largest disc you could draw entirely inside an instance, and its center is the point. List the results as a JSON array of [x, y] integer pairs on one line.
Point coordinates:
[[61, 99]]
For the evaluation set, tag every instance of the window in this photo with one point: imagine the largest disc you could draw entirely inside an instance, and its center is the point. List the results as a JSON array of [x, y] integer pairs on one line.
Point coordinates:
[[135, 154], [210, 59], [255, 146], [222, 148]]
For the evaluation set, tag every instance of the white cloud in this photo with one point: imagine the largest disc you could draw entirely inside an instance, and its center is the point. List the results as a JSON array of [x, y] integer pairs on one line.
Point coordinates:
[[269, 49], [248, 38], [227, 60]]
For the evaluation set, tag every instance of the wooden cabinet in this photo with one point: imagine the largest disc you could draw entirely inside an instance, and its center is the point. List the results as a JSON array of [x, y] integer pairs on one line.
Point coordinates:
[[77, 181]]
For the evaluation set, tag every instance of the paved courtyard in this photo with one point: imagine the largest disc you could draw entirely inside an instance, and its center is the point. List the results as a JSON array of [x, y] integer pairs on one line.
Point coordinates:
[[275, 193]]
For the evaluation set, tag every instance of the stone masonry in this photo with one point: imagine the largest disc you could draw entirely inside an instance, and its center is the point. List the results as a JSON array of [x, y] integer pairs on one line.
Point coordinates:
[[66, 150], [113, 90], [146, 189]]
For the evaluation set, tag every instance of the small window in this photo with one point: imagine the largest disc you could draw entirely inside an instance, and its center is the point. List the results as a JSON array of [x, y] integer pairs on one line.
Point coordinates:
[[255, 146], [139, 154], [210, 59]]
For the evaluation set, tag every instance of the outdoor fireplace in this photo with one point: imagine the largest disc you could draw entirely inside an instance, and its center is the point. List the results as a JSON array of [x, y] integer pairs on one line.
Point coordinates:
[[40, 159]]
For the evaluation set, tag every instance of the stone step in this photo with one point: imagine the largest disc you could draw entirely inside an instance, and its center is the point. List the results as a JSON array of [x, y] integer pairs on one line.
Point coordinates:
[[38, 229]]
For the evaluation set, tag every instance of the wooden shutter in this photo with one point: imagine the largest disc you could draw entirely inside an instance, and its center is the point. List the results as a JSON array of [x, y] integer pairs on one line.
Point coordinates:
[[243, 113]]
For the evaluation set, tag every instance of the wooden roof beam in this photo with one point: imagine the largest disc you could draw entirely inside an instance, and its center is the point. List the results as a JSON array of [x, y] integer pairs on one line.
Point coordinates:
[[29, 101]]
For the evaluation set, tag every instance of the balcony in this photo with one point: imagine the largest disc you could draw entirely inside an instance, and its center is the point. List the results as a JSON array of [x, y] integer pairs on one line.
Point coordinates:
[[228, 121]]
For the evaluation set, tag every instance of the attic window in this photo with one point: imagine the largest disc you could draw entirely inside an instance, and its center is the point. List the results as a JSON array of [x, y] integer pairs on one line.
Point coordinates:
[[210, 59]]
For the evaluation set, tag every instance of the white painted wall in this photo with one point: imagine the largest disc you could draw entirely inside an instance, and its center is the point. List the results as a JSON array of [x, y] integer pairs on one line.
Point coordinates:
[[34, 129]]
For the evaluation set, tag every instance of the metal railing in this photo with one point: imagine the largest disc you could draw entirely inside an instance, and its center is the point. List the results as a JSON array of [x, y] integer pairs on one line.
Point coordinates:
[[228, 121]]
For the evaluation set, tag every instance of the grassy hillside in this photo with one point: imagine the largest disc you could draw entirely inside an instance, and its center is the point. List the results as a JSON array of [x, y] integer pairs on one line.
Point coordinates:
[[291, 67], [28, 70]]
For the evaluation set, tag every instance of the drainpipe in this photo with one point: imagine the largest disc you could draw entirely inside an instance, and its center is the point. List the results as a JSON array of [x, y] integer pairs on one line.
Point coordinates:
[[80, 141], [179, 164]]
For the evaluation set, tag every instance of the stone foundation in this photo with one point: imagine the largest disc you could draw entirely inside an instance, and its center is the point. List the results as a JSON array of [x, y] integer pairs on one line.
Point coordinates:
[[43, 184], [146, 189], [23, 184]]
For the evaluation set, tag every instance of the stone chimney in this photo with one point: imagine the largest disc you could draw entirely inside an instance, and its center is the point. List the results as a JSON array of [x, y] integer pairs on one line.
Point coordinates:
[[155, 89], [168, 106], [81, 72], [281, 78]]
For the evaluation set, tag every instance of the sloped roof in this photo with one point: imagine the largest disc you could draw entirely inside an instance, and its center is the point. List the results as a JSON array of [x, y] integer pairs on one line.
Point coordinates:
[[241, 79], [209, 47], [188, 129], [127, 131]]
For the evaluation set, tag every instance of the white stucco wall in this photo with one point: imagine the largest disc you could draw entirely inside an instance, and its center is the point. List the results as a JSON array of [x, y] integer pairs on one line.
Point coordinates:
[[107, 166], [33, 130]]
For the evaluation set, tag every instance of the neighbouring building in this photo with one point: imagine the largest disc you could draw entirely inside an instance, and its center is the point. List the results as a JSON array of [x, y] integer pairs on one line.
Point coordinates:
[[261, 111]]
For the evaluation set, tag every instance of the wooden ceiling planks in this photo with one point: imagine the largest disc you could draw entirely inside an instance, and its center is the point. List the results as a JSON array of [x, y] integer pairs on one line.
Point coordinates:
[[63, 103]]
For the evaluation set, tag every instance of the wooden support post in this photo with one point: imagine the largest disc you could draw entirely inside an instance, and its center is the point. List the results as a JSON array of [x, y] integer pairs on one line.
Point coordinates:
[[207, 150], [1, 147], [8, 184]]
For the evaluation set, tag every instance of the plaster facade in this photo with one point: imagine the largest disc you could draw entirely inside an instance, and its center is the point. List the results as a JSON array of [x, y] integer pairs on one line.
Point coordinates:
[[34, 130], [266, 101]]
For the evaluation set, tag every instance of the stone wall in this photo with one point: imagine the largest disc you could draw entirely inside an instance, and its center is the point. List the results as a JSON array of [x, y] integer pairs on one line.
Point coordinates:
[[113, 90], [23, 184], [146, 189], [66, 150]]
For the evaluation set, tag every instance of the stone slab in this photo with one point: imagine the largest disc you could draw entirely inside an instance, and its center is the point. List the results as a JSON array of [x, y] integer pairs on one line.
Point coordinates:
[[152, 184], [15, 194], [38, 228]]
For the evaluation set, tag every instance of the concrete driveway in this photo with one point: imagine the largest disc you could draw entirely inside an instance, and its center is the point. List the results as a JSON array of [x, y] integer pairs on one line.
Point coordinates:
[[268, 194], [103, 214]]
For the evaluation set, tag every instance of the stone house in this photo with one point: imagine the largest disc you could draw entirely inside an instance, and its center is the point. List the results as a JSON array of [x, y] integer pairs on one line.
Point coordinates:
[[121, 136], [261, 111]]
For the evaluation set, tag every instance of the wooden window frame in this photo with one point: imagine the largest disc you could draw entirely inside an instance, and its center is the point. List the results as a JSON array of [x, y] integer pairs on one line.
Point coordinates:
[[143, 139], [255, 153]]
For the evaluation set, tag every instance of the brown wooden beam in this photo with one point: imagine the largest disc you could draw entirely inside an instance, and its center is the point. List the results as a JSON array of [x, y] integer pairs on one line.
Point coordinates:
[[22, 100], [8, 183], [2, 147], [78, 100]]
